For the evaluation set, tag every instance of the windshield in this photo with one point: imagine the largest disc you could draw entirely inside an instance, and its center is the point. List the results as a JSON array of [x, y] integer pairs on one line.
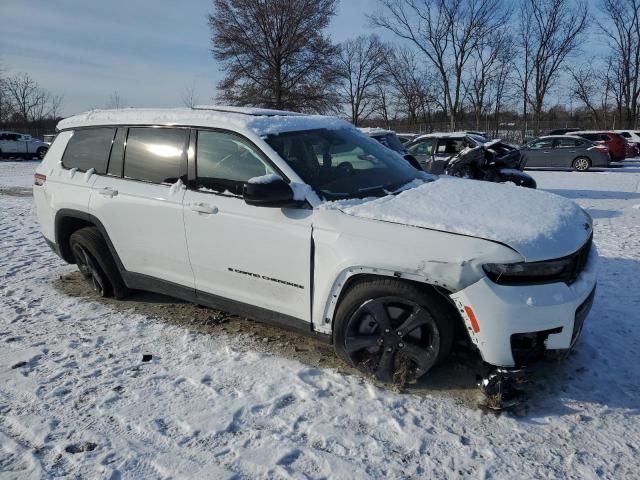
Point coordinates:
[[342, 163]]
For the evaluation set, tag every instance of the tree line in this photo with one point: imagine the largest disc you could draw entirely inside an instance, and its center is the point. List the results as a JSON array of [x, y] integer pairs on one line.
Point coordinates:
[[462, 62], [25, 105]]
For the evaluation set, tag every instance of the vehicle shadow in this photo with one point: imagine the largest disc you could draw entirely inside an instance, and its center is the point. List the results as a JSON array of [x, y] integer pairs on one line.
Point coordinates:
[[594, 194]]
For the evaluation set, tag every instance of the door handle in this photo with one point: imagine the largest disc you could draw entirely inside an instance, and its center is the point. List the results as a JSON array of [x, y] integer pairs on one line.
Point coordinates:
[[108, 192], [204, 208]]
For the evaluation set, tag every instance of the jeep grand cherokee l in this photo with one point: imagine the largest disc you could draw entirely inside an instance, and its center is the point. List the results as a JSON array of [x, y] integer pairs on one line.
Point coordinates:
[[305, 222]]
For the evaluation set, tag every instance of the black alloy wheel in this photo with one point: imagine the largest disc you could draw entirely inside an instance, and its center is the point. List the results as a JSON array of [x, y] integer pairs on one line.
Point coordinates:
[[90, 270], [393, 338]]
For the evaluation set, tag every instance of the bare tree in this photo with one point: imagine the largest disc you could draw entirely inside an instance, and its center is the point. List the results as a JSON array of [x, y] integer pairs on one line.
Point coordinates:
[[189, 97], [621, 27], [550, 31], [28, 99], [6, 105], [115, 101], [275, 53], [55, 106], [360, 70], [410, 84], [446, 32], [487, 73], [586, 87]]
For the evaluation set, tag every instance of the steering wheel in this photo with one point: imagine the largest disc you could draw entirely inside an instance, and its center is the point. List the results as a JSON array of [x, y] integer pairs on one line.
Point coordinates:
[[344, 168]]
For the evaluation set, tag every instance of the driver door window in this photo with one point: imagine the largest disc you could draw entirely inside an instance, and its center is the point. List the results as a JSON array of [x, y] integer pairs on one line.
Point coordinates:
[[424, 147], [225, 162]]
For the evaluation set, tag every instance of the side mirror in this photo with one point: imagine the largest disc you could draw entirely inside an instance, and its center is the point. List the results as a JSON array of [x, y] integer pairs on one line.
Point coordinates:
[[271, 192]]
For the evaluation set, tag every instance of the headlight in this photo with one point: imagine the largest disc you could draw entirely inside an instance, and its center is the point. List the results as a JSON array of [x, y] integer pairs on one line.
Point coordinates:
[[528, 273]]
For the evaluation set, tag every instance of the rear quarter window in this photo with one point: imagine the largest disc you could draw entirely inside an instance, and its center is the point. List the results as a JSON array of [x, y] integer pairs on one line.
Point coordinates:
[[156, 155], [89, 148]]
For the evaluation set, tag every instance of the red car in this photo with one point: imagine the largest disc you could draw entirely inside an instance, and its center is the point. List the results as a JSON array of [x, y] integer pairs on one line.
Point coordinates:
[[616, 143], [632, 150]]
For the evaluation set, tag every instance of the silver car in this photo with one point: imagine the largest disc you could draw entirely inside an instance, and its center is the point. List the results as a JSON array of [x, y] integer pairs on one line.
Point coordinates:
[[565, 151]]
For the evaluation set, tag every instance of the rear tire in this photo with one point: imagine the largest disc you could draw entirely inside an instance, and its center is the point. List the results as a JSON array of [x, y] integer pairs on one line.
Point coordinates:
[[393, 330], [96, 264], [41, 152], [581, 164]]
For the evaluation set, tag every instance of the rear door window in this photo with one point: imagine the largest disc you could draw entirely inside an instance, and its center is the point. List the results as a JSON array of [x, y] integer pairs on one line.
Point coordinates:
[[565, 143], [450, 146], [89, 148], [225, 161], [156, 155]]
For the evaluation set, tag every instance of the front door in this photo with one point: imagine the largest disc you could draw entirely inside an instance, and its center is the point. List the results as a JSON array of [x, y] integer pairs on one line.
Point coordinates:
[[253, 255], [423, 151]]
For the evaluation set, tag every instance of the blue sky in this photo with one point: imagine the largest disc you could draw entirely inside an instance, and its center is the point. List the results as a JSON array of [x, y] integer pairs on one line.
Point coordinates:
[[149, 51]]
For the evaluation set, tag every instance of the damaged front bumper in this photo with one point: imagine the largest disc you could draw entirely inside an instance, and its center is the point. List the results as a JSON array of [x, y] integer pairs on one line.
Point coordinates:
[[512, 325]]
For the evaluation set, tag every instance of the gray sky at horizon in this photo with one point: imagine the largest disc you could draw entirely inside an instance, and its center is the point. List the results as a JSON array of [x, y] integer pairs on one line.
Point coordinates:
[[149, 51]]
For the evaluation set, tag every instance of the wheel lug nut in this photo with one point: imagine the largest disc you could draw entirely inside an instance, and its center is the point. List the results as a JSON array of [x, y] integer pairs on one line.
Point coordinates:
[[399, 333], [380, 341], [390, 349], [386, 330], [400, 345]]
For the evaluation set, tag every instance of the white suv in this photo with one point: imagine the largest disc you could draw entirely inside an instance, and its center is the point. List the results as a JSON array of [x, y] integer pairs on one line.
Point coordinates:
[[307, 223]]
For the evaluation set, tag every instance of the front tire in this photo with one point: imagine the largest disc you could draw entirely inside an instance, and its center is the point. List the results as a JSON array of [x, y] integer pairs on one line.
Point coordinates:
[[393, 330], [94, 260], [581, 164]]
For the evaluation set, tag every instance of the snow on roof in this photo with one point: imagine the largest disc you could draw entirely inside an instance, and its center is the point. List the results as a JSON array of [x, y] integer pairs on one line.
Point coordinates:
[[261, 121], [247, 110], [374, 131]]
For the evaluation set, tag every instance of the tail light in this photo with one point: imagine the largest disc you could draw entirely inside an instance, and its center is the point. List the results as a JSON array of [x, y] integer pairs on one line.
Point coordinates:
[[40, 179]]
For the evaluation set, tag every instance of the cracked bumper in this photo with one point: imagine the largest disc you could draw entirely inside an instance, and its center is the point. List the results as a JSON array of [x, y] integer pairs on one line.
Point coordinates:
[[553, 313]]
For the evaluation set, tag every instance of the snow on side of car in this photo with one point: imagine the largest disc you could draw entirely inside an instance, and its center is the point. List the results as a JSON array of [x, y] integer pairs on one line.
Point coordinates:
[[539, 225]]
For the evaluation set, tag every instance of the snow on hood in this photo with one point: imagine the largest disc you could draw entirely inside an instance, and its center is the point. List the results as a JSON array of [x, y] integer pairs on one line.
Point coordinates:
[[538, 225]]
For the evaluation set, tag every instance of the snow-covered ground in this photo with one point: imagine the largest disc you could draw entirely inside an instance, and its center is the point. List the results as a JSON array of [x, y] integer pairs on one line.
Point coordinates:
[[77, 399]]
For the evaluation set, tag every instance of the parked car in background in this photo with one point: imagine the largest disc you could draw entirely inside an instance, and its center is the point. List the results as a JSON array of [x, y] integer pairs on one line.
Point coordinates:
[[389, 139], [616, 143], [407, 137], [632, 150], [434, 149], [453, 154], [565, 151], [13, 144], [48, 139], [562, 131], [632, 137], [307, 223]]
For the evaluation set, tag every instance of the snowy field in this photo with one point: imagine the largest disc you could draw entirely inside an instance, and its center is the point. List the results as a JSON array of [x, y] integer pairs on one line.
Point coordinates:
[[77, 399]]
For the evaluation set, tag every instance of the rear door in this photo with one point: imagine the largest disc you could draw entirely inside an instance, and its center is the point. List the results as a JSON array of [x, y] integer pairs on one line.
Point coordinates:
[[85, 157], [139, 202], [565, 150], [445, 149], [253, 255]]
